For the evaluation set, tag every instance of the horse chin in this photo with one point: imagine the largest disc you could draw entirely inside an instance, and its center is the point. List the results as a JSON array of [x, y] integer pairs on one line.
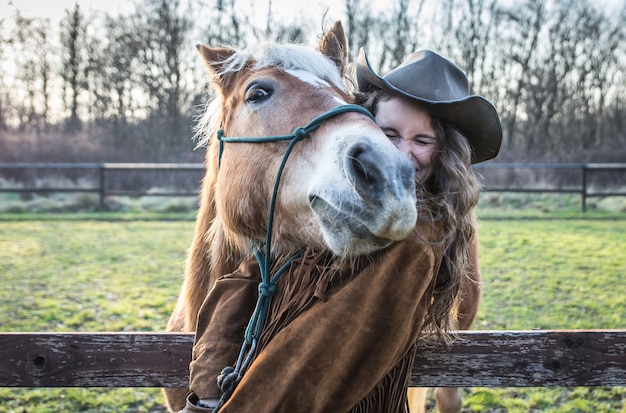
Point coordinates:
[[347, 234], [353, 247]]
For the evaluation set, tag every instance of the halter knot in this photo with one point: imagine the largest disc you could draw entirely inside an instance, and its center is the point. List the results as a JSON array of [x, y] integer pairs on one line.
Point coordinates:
[[227, 380], [300, 133], [267, 289]]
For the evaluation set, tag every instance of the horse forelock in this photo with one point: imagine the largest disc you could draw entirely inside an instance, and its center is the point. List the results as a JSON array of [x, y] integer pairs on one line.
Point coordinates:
[[285, 56], [297, 57]]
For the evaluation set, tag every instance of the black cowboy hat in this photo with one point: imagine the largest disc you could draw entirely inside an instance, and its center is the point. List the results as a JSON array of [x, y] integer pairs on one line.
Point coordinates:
[[443, 90]]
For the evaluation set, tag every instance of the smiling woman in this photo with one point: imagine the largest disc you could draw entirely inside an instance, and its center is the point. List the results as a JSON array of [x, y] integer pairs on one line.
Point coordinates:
[[417, 138]]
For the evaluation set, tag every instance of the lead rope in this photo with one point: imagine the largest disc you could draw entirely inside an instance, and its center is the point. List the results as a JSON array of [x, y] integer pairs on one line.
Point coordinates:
[[231, 376]]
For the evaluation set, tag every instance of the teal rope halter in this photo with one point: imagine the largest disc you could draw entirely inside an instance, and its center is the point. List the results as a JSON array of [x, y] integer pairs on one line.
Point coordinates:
[[231, 376]]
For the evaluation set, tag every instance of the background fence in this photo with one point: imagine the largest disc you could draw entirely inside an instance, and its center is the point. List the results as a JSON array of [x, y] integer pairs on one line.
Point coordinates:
[[183, 179]]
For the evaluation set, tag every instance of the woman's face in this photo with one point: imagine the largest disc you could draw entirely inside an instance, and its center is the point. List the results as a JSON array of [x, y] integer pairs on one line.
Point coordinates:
[[410, 129]]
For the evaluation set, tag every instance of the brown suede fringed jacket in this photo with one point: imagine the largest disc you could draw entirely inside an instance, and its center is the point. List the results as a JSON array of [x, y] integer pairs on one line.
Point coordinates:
[[338, 338]]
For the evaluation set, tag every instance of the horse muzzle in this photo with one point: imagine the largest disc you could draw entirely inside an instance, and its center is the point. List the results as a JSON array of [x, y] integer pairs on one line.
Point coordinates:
[[369, 201]]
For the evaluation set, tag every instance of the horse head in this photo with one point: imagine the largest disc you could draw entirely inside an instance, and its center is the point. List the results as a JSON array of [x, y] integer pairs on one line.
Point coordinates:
[[344, 186]]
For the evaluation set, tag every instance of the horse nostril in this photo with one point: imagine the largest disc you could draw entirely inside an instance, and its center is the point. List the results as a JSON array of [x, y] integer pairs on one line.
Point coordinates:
[[363, 166]]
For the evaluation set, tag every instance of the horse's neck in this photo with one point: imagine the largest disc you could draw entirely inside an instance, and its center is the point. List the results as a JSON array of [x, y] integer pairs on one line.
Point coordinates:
[[209, 256]]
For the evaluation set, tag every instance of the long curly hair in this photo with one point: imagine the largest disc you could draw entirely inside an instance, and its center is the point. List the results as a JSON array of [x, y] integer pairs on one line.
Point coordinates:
[[446, 202]]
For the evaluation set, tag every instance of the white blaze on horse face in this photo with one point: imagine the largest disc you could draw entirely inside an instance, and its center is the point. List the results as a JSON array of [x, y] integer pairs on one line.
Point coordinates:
[[361, 189], [313, 80], [308, 77]]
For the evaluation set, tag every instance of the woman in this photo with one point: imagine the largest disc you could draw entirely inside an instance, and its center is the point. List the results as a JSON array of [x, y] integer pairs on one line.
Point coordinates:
[[444, 120], [425, 109], [341, 337]]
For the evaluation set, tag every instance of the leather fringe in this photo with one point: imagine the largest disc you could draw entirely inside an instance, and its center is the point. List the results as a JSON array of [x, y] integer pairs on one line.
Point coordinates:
[[312, 278], [390, 394]]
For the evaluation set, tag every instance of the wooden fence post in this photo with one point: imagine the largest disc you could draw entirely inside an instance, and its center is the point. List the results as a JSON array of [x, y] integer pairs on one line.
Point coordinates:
[[583, 193], [102, 187]]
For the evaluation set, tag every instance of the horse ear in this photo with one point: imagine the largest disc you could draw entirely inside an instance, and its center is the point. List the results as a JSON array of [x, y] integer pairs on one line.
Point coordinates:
[[214, 57], [334, 44]]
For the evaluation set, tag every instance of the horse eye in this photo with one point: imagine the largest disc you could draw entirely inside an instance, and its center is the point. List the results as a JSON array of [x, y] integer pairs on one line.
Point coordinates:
[[256, 94]]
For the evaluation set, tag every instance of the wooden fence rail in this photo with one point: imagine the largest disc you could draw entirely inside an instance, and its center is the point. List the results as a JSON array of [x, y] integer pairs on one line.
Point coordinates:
[[103, 190], [544, 358]]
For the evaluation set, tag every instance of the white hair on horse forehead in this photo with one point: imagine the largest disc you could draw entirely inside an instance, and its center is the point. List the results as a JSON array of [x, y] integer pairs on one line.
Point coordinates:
[[296, 57], [287, 57]]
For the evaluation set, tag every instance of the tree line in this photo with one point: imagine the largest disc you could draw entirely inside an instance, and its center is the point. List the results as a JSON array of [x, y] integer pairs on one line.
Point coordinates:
[[555, 70]]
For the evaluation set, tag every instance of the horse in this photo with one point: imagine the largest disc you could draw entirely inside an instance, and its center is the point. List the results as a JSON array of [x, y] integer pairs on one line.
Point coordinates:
[[343, 187]]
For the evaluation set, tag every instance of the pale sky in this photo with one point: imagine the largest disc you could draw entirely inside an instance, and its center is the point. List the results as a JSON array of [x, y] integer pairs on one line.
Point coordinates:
[[55, 9], [283, 9]]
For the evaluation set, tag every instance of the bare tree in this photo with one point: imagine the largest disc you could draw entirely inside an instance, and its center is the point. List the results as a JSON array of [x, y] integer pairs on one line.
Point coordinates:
[[551, 95], [359, 24], [405, 35], [467, 35], [230, 29], [520, 33], [25, 70], [161, 29], [598, 42], [475, 39], [559, 88], [73, 31], [99, 100], [613, 126], [120, 64], [31, 84], [42, 50], [401, 32], [3, 95]]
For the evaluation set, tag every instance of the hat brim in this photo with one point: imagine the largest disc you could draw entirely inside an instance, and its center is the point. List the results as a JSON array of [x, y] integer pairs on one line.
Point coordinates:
[[474, 116]]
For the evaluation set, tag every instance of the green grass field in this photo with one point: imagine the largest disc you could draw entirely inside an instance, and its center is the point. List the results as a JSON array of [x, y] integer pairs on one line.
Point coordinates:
[[108, 272]]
